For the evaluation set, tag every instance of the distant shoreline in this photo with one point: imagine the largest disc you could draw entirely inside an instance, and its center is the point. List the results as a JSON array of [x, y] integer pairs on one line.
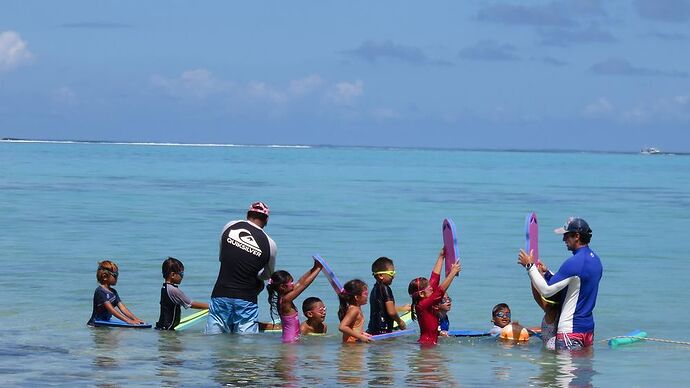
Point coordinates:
[[306, 146]]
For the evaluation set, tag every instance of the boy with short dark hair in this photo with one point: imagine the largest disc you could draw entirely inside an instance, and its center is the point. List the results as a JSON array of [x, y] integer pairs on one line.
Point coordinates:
[[383, 312], [172, 297], [315, 311]]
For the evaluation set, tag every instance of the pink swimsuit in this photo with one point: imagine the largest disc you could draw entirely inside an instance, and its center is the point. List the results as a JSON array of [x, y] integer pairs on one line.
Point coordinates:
[[290, 325]]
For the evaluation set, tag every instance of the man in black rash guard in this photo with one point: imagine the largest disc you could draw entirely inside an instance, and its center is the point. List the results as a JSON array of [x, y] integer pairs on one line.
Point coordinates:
[[247, 258]]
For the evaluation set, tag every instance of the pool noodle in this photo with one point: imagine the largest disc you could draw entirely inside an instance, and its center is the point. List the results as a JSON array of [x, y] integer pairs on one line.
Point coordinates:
[[191, 320], [633, 336]]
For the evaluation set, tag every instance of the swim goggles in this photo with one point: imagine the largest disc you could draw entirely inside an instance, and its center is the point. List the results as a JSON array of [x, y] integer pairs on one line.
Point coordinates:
[[389, 273], [501, 314], [181, 274], [114, 273]]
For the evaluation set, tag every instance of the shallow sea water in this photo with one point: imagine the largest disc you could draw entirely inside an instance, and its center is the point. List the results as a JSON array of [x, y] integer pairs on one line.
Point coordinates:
[[64, 207]]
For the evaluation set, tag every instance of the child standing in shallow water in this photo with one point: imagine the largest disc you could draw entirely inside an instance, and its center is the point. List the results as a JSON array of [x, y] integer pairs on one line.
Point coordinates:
[[426, 295], [106, 301], [354, 296], [172, 298], [281, 295], [315, 311]]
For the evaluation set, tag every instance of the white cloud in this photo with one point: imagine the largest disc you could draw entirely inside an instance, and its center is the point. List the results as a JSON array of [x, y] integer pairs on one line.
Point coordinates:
[[663, 109], [600, 108], [345, 93], [306, 85], [263, 91], [13, 51], [197, 83]]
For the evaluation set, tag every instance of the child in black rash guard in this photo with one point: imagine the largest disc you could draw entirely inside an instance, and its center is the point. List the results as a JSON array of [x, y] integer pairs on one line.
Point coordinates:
[[381, 301], [172, 297]]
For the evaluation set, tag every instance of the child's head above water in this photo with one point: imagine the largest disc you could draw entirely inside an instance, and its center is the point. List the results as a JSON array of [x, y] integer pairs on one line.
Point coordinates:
[[383, 270], [355, 293], [418, 289], [173, 270], [107, 273], [279, 284], [500, 315], [314, 309]]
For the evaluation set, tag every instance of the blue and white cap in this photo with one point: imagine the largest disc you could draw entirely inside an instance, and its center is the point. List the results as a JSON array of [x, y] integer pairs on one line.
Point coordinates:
[[574, 225]]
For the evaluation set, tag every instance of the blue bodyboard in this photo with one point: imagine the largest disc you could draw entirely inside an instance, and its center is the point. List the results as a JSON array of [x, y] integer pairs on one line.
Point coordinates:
[[114, 322]]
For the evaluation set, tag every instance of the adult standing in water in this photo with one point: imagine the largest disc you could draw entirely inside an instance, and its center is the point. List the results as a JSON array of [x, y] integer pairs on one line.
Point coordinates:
[[579, 276], [247, 258]]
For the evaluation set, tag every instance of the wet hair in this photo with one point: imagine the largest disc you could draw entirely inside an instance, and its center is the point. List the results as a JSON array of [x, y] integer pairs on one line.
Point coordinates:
[[413, 289], [309, 304], [498, 308], [347, 298], [105, 267], [170, 265], [277, 279], [261, 216], [381, 264]]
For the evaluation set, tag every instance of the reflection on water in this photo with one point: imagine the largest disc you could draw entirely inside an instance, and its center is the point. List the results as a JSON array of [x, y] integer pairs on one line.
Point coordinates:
[[105, 341], [285, 365], [236, 361], [170, 356], [351, 363], [427, 366], [567, 369], [381, 364]]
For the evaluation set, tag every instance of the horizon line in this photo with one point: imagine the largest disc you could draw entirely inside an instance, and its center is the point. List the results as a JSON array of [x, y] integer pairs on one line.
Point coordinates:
[[308, 146]]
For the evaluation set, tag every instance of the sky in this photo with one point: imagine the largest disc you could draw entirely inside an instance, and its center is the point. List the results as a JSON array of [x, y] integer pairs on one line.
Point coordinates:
[[562, 74]]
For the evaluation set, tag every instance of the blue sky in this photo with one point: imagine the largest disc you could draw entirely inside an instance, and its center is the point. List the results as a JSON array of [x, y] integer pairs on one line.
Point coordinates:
[[578, 74]]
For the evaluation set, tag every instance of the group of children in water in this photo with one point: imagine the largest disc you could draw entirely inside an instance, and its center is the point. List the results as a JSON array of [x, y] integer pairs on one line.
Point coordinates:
[[429, 303]]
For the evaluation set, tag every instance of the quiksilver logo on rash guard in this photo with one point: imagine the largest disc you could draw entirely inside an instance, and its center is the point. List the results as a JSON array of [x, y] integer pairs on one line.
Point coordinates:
[[244, 240]]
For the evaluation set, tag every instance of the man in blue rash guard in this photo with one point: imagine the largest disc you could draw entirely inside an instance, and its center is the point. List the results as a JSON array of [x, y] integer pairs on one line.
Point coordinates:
[[579, 275]]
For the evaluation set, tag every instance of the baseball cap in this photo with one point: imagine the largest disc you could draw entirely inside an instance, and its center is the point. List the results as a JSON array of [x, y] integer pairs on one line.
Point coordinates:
[[259, 207], [574, 225]]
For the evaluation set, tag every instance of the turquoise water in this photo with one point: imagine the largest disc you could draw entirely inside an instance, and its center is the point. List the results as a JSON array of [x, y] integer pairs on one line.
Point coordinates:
[[63, 207]]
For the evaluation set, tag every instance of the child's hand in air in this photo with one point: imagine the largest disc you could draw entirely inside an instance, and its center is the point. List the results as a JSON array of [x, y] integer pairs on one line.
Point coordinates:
[[455, 269]]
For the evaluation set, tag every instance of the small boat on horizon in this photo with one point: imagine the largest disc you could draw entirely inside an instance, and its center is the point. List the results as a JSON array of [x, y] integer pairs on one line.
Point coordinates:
[[650, 151]]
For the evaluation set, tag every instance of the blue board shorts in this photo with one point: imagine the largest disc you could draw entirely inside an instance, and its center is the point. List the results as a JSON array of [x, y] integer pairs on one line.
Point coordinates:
[[230, 315]]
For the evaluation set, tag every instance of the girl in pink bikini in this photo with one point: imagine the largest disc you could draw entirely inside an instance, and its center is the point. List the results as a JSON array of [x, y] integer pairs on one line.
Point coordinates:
[[281, 295]]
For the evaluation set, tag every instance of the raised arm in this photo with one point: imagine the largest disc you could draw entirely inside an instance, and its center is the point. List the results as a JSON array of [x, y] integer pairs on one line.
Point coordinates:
[[303, 283], [560, 280], [454, 270], [439, 262]]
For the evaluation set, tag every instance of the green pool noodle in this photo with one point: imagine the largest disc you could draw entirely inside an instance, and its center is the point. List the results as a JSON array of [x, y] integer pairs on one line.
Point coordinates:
[[629, 338]]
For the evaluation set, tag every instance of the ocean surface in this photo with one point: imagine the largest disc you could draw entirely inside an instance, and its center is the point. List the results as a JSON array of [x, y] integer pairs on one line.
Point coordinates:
[[64, 207]]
